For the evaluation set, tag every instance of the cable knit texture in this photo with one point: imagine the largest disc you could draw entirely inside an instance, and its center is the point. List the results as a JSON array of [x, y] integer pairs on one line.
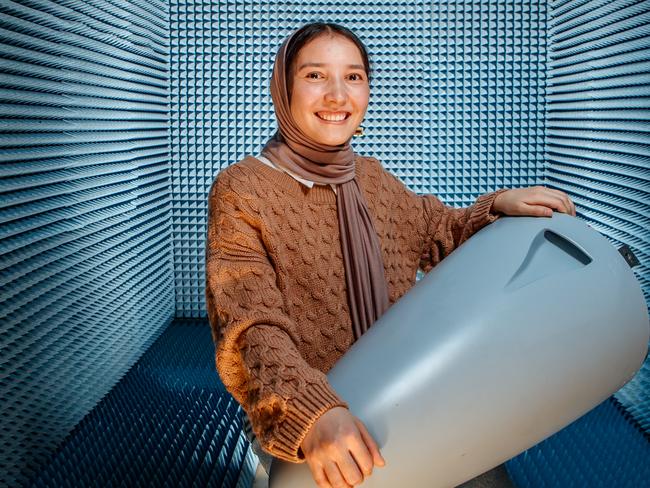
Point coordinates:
[[275, 285]]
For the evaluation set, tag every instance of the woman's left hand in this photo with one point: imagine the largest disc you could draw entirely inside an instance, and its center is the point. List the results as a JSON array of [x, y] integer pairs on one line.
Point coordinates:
[[536, 201]]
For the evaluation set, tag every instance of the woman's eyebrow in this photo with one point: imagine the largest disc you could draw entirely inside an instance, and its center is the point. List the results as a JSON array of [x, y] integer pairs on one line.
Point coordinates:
[[318, 65]]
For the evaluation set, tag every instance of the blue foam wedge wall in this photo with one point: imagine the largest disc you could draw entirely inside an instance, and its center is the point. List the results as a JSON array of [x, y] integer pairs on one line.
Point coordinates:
[[598, 132], [598, 151], [598, 118], [85, 262], [456, 109]]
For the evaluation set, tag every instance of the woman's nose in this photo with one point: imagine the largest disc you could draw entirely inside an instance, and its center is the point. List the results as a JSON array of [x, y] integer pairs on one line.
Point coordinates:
[[336, 91]]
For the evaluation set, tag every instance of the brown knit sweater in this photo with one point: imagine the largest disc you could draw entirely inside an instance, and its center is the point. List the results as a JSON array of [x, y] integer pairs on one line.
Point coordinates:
[[275, 285]]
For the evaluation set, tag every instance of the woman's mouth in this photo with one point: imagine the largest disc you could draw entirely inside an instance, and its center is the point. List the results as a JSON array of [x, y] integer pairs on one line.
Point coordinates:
[[333, 117]]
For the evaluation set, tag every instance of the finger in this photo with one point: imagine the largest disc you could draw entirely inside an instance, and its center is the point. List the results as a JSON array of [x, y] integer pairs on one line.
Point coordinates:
[[572, 206], [350, 470], [334, 475], [370, 443], [568, 204], [537, 210], [546, 199], [318, 474], [553, 201], [362, 457]]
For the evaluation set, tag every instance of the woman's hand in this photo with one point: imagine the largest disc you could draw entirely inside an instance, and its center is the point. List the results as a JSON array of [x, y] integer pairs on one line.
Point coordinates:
[[536, 201], [339, 450]]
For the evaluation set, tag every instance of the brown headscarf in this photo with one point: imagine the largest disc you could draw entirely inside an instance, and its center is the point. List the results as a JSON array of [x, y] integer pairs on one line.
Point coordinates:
[[290, 148]]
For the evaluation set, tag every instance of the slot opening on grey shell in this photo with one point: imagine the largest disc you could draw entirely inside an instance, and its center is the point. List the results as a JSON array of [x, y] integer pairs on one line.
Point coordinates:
[[549, 253], [567, 246]]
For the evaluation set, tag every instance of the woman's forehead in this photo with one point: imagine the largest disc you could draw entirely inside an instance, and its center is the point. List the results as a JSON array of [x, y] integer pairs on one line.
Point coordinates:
[[326, 50]]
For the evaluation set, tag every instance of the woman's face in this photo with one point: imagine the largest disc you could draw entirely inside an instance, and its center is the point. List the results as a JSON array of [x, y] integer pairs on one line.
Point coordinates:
[[330, 89]]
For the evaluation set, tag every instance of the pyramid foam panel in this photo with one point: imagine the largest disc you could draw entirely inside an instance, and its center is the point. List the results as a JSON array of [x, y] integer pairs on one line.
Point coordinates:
[[456, 103], [169, 422], [604, 448]]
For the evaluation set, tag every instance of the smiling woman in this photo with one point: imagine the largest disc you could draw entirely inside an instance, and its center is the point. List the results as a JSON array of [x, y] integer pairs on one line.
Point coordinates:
[[309, 243], [328, 100]]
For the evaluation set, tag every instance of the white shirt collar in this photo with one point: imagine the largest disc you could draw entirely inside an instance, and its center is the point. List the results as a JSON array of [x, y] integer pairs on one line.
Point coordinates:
[[304, 181]]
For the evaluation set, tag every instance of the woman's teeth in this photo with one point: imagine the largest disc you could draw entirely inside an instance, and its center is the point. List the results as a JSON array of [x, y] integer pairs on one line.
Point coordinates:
[[332, 117]]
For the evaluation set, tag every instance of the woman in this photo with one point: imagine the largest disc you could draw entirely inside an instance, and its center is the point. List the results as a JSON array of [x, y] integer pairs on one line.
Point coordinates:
[[309, 243]]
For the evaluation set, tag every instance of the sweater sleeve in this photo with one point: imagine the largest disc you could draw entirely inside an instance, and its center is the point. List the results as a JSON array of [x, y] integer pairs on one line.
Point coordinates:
[[255, 340], [439, 228], [448, 227]]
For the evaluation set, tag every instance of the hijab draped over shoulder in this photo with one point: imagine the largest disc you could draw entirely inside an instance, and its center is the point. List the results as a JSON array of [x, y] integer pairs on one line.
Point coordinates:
[[291, 149]]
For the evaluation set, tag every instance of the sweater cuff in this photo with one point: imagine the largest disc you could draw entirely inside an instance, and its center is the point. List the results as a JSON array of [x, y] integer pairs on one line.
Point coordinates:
[[304, 410], [483, 213]]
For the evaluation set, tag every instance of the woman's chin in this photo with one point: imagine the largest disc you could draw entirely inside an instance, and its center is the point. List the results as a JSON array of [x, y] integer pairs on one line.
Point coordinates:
[[334, 141]]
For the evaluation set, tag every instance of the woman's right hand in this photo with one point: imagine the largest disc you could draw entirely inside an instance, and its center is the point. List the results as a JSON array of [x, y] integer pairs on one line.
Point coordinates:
[[339, 450]]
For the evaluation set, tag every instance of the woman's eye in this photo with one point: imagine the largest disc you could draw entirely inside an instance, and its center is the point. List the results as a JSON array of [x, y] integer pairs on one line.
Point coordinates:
[[314, 75]]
